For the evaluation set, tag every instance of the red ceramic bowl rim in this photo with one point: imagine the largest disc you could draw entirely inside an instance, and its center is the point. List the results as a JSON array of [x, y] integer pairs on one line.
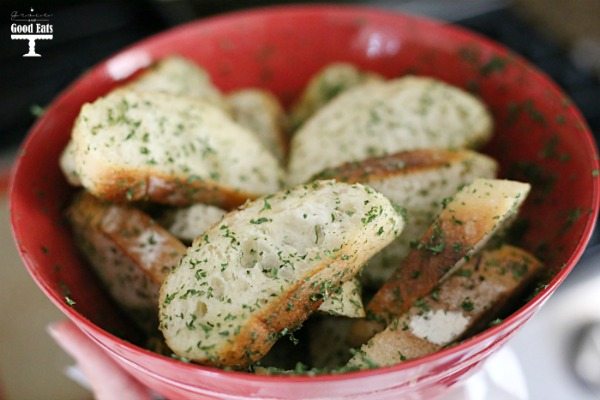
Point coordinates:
[[586, 140]]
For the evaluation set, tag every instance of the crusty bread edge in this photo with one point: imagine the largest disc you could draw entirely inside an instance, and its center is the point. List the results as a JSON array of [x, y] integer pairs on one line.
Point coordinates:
[[261, 330], [136, 185]]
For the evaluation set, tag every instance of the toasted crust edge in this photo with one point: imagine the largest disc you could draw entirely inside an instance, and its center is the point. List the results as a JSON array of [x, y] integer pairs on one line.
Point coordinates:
[[128, 186], [428, 264], [400, 163], [261, 331], [507, 283], [89, 212]]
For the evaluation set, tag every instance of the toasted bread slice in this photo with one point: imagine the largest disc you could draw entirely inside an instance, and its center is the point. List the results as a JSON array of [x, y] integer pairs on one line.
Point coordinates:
[[191, 222], [267, 266], [419, 181], [381, 118], [326, 84], [172, 150], [261, 113], [129, 252], [173, 75], [181, 77], [461, 229], [470, 298], [122, 241]]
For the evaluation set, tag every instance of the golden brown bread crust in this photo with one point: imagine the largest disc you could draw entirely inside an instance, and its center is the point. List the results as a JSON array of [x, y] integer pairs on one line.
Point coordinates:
[[425, 266], [401, 163], [290, 309], [460, 229], [129, 229], [256, 273], [130, 253], [423, 269], [472, 296], [130, 186], [419, 181], [194, 155]]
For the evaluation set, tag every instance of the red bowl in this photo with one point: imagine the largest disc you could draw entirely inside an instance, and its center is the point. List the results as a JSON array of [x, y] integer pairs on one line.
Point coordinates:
[[540, 137]]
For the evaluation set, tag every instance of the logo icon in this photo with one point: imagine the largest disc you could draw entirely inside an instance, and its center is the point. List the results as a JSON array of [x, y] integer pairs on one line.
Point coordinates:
[[31, 26]]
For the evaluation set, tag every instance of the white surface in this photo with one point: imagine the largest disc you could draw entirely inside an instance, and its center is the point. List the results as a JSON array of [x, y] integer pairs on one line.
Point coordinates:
[[544, 345], [501, 378]]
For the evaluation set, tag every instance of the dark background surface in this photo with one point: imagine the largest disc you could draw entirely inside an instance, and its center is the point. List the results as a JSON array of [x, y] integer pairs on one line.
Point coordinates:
[[87, 33]]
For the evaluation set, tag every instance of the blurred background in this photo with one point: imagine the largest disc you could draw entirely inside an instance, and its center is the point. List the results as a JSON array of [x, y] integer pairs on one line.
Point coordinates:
[[560, 37]]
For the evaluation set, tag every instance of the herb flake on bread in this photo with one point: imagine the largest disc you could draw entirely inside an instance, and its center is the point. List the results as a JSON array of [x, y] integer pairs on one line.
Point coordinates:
[[267, 266], [131, 146], [419, 181], [128, 250], [463, 227], [326, 84], [379, 118], [465, 302]]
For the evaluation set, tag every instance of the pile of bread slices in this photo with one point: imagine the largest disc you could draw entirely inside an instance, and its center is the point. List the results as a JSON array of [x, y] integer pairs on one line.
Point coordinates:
[[227, 224]]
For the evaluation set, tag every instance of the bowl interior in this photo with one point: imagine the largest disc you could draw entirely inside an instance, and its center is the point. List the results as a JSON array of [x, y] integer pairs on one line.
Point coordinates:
[[540, 136]]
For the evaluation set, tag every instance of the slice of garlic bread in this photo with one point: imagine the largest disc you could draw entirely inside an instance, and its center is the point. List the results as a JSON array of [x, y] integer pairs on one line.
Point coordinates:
[[132, 254], [260, 112], [380, 118], [468, 299], [129, 252], [173, 75], [191, 222], [172, 150], [326, 84], [178, 76], [418, 181], [267, 266], [463, 227]]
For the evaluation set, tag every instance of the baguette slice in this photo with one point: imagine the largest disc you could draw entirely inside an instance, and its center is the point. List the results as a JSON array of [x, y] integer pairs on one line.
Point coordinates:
[[260, 112], [191, 222], [419, 181], [267, 266], [129, 252], [381, 118], [461, 229], [181, 77], [132, 255], [172, 75], [172, 150], [326, 84], [465, 302]]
